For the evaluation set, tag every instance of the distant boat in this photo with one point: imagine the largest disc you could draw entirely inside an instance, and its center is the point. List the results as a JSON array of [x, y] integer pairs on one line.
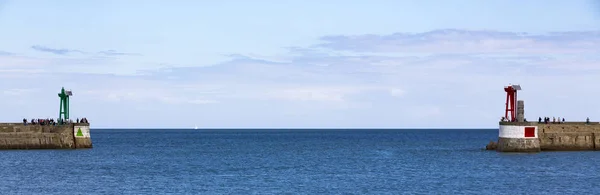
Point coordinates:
[[196, 127]]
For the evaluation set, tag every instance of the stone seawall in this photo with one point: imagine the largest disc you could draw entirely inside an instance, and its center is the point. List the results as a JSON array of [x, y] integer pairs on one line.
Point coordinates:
[[30, 136], [518, 145], [568, 136]]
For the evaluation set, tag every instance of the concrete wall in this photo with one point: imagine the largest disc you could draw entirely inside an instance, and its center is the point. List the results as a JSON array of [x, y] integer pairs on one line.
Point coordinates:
[[20, 136], [567, 136]]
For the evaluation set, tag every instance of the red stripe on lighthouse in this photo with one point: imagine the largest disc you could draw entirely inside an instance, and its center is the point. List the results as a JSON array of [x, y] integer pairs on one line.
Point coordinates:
[[529, 131]]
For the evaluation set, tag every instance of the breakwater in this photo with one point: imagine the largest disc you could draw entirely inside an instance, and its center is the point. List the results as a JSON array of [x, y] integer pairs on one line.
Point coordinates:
[[534, 136], [516, 134], [36, 136]]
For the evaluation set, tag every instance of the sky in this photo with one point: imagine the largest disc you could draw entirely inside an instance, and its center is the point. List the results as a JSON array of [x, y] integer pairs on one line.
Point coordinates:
[[299, 64]]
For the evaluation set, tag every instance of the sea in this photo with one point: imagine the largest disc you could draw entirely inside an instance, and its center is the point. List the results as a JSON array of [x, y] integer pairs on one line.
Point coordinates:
[[296, 161]]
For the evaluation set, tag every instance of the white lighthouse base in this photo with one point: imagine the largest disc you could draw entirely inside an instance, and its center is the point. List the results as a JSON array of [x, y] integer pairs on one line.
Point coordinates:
[[518, 138]]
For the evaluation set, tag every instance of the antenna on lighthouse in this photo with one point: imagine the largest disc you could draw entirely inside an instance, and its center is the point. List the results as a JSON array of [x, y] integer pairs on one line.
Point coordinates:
[[511, 100]]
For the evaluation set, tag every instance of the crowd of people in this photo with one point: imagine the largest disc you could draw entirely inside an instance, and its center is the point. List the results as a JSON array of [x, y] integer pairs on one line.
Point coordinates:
[[555, 120], [546, 120], [51, 121], [504, 119], [558, 120]]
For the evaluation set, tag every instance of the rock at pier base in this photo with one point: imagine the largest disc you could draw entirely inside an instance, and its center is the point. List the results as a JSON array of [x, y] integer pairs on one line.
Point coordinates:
[[491, 146]]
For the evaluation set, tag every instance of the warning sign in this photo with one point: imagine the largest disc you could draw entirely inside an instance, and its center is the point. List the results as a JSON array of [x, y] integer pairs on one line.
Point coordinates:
[[81, 131]]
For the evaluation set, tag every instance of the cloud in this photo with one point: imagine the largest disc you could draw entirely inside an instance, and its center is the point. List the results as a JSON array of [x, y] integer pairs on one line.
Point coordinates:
[[4, 53], [314, 93], [115, 53], [54, 51], [131, 89], [156, 95], [98, 64], [397, 92], [68, 51], [468, 41], [19, 92], [443, 78]]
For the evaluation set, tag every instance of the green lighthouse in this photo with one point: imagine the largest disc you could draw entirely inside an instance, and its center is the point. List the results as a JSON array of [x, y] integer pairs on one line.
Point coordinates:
[[64, 104]]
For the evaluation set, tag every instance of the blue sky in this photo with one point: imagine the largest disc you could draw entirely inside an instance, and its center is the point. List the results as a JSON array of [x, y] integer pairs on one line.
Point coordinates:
[[299, 64]]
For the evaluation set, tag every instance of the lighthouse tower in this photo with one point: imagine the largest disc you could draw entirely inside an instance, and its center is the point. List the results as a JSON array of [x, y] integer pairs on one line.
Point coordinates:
[[514, 134]]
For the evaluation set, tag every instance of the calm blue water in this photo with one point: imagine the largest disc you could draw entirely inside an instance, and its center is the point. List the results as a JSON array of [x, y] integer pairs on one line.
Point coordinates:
[[295, 162]]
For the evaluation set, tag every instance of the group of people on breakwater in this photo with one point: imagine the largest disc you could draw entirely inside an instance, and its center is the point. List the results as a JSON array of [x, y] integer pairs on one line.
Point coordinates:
[[555, 120], [53, 122], [546, 120], [558, 120]]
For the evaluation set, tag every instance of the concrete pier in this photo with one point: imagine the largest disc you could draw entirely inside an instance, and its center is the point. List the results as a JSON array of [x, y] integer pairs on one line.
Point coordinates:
[[35, 136], [567, 136]]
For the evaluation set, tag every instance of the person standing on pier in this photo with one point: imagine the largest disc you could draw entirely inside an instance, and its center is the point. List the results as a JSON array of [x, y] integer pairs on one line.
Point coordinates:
[[587, 120]]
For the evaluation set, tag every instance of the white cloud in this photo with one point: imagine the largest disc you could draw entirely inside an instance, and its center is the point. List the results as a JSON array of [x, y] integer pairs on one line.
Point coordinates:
[[19, 92], [309, 95], [146, 93], [335, 94], [465, 41], [201, 101], [14, 61], [397, 92]]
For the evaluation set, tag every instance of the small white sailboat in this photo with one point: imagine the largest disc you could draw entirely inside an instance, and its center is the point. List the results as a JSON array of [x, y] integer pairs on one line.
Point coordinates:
[[196, 127]]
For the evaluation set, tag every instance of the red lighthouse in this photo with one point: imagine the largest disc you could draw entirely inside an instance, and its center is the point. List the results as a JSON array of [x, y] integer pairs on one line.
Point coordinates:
[[511, 100]]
